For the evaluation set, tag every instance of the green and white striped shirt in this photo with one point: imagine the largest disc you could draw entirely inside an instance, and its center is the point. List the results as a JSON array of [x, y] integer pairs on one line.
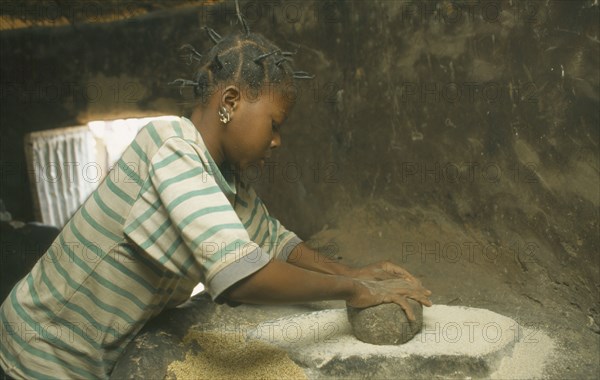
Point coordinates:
[[164, 219]]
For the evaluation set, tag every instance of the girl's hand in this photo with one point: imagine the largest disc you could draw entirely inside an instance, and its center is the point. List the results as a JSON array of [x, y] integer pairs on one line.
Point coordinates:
[[372, 293], [383, 270]]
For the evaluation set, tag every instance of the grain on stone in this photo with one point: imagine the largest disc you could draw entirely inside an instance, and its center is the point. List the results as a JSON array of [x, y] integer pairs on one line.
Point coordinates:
[[225, 355]]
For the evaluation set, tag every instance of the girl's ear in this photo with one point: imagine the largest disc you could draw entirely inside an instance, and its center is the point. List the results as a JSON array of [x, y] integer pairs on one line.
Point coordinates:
[[231, 97]]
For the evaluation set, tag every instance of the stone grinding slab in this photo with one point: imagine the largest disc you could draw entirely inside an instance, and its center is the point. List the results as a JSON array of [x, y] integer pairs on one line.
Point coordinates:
[[454, 341]]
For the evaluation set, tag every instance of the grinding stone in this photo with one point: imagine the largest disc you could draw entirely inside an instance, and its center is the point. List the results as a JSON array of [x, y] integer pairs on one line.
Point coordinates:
[[386, 323]]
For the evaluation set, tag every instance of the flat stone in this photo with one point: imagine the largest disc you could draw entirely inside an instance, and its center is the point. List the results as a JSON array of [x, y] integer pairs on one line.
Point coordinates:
[[454, 342], [386, 323]]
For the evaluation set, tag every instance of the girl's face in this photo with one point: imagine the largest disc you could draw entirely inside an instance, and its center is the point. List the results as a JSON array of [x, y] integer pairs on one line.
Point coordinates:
[[254, 129]]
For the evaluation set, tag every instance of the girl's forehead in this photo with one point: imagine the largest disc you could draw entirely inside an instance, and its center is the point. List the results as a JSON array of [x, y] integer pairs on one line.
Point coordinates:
[[282, 108], [278, 105]]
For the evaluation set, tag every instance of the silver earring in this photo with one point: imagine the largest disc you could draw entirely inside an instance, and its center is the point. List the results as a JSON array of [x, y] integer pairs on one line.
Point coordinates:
[[224, 115]]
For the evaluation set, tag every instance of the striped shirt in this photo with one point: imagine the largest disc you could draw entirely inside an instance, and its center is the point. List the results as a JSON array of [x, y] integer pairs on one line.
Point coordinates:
[[164, 219]]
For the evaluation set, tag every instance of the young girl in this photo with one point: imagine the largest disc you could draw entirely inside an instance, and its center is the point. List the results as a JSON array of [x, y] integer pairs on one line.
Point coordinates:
[[174, 212]]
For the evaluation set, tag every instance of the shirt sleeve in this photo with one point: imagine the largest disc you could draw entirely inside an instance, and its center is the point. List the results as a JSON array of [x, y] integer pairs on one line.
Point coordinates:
[[266, 230], [183, 220]]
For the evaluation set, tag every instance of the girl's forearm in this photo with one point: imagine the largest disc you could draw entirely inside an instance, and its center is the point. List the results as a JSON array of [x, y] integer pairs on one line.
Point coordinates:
[[305, 257], [280, 282]]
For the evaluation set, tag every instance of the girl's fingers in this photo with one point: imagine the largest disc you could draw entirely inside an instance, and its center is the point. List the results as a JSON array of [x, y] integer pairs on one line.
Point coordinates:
[[406, 307], [401, 271], [422, 290], [420, 295], [422, 299]]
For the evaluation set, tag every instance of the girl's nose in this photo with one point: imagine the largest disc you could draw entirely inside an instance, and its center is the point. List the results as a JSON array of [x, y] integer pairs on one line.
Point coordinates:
[[276, 140]]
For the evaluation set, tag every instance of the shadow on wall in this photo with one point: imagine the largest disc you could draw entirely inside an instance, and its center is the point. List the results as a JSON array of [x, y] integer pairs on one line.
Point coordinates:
[[22, 245]]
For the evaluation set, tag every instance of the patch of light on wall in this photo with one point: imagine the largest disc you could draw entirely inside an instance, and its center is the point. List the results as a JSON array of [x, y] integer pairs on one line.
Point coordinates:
[[118, 134], [66, 165]]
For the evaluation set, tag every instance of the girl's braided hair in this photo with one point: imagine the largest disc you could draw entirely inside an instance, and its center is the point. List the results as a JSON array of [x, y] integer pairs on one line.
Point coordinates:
[[246, 58]]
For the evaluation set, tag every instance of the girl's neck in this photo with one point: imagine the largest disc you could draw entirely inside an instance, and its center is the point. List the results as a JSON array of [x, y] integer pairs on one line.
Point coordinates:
[[210, 128]]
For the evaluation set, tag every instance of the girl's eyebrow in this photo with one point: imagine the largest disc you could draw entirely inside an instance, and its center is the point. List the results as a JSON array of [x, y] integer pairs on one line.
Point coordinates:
[[282, 115], [278, 117]]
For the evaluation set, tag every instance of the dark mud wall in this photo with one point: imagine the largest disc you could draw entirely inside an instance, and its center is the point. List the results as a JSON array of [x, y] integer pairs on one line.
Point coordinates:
[[484, 111], [471, 106]]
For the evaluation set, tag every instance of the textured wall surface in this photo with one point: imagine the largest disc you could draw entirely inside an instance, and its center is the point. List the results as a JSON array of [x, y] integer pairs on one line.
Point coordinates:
[[464, 105]]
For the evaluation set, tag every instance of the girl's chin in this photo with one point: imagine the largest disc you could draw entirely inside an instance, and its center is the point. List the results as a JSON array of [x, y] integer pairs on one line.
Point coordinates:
[[259, 164]]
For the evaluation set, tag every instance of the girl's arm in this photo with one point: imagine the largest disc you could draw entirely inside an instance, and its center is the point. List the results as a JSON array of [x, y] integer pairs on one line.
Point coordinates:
[[304, 257], [280, 282]]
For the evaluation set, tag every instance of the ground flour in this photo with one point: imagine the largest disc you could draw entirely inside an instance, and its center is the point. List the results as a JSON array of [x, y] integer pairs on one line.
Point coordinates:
[[528, 358]]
